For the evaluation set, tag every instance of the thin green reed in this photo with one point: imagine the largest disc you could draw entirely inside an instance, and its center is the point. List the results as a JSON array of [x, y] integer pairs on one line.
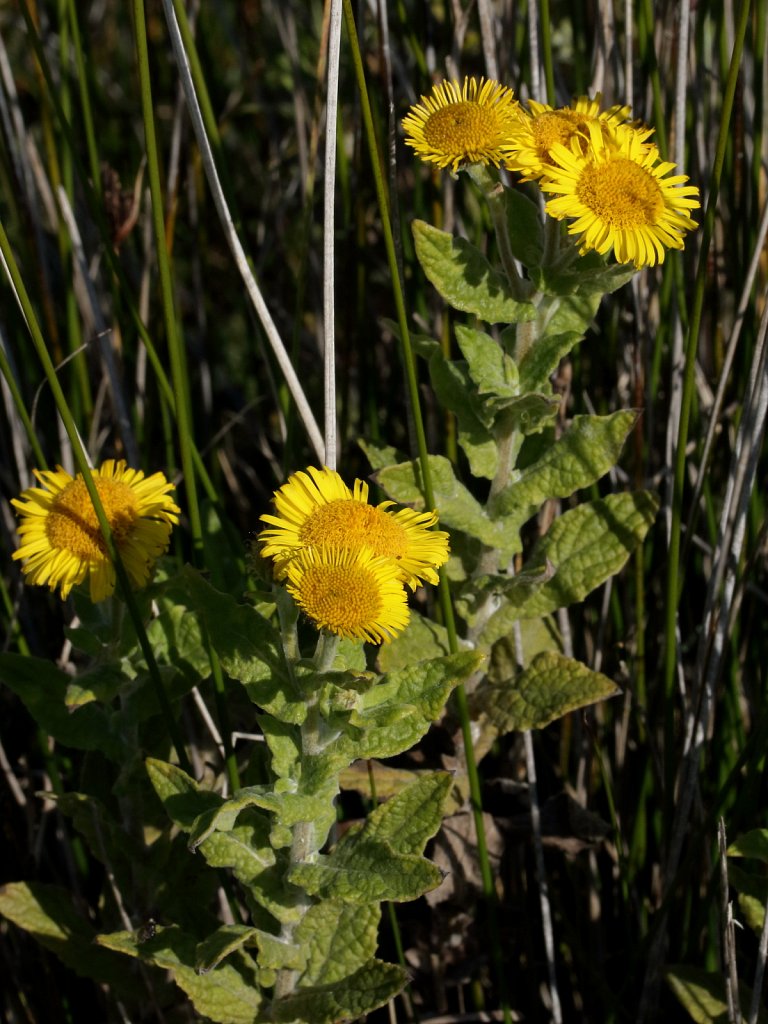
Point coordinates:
[[675, 571], [82, 398], [86, 110], [82, 464], [177, 357], [446, 606], [546, 51], [173, 338], [121, 288]]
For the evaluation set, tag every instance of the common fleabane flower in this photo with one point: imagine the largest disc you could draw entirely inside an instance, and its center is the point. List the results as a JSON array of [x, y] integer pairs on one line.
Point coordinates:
[[60, 535], [539, 128], [352, 593], [462, 124], [621, 196], [318, 510]]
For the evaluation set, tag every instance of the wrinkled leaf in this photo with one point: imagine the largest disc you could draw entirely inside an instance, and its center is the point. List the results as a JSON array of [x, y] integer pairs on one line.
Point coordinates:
[[249, 648], [219, 944], [366, 870], [465, 278], [454, 391], [549, 688], [228, 995], [388, 781], [589, 448], [348, 999], [543, 358], [409, 819], [182, 798], [492, 370], [527, 413], [337, 939], [420, 689], [536, 635], [586, 546], [421, 640], [525, 227]]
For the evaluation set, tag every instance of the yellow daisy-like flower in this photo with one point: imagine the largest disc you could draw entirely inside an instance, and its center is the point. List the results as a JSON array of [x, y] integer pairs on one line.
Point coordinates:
[[60, 534], [541, 127], [316, 509], [352, 593], [621, 197], [458, 124]]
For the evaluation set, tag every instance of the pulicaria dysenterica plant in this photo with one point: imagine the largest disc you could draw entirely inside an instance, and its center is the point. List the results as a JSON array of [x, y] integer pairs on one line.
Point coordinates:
[[299, 937]]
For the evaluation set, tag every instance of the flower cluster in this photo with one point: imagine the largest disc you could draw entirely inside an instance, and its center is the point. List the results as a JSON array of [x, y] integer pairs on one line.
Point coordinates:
[[60, 534], [601, 170], [346, 563]]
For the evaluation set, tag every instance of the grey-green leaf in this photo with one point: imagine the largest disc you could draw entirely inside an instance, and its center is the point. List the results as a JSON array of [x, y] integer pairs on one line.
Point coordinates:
[[586, 546], [219, 944], [421, 640], [336, 939], [247, 644], [454, 390], [465, 278], [492, 370], [549, 688], [228, 995], [586, 451], [406, 821], [366, 871], [182, 798], [372, 985]]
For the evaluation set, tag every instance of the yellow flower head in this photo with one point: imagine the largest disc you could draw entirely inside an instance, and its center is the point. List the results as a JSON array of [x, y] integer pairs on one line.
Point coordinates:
[[352, 593], [541, 127], [620, 197], [60, 534], [458, 124], [316, 509]]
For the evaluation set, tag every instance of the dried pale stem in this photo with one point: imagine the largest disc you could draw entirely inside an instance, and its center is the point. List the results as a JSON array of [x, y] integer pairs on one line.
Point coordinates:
[[329, 250], [729, 940], [225, 216]]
